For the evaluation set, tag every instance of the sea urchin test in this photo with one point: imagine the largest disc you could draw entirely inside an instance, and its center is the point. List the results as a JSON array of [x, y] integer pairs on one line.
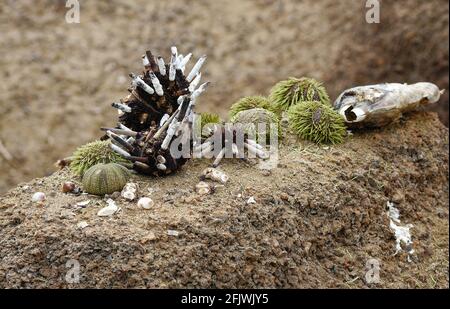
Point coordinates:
[[379, 105]]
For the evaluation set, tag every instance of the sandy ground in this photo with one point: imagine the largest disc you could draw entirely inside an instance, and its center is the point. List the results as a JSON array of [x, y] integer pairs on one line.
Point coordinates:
[[58, 79], [318, 218]]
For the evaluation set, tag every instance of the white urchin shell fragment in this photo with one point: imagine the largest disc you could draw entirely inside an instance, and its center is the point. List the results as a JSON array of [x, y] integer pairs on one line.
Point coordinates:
[[109, 210]]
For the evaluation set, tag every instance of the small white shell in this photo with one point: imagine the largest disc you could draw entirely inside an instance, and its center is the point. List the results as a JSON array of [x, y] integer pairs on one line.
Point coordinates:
[[82, 224], [108, 210], [202, 188], [251, 200], [38, 197], [145, 202], [215, 175], [129, 191]]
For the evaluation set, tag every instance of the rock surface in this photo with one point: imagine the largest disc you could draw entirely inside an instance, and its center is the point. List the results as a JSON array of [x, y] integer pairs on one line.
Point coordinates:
[[318, 218], [59, 79]]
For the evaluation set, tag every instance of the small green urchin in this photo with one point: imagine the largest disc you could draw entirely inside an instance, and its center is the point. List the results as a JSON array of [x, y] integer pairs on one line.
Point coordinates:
[[93, 153], [296, 90], [207, 118], [252, 117], [318, 123], [249, 103]]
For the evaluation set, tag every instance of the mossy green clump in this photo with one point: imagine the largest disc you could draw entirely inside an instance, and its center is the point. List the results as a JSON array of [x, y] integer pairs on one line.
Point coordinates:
[[102, 179], [317, 122], [297, 90], [207, 118], [91, 154], [256, 122], [249, 103]]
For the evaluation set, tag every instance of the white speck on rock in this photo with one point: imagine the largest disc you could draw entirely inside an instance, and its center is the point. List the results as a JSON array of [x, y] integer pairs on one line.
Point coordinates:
[[251, 200], [173, 233], [82, 224], [83, 203], [402, 233]]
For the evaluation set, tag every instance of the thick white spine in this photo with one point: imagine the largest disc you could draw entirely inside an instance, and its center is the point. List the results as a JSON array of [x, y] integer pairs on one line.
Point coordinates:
[[184, 61], [161, 66], [196, 68], [124, 108], [145, 61], [156, 84], [200, 90], [138, 82], [119, 150], [195, 82]]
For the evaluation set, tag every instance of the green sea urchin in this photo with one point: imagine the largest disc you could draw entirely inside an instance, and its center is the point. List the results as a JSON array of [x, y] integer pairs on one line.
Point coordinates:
[[317, 122], [207, 118], [102, 179], [296, 90], [256, 122], [207, 122], [93, 153], [249, 103]]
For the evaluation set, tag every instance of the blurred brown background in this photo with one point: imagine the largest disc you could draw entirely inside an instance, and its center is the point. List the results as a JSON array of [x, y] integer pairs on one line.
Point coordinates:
[[58, 79]]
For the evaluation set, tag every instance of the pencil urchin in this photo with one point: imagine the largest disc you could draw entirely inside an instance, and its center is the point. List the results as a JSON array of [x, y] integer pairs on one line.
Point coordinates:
[[296, 90], [249, 103], [317, 122], [158, 110], [91, 154], [257, 122]]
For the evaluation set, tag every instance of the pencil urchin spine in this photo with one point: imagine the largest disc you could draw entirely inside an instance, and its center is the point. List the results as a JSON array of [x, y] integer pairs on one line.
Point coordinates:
[[297, 90], [317, 122], [94, 153], [249, 103], [158, 110]]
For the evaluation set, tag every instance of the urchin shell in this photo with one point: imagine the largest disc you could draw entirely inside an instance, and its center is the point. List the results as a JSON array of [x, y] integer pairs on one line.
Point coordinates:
[[297, 90], [379, 105], [318, 123], [249, 103], [91, 154], [252, 118], [103, 179]]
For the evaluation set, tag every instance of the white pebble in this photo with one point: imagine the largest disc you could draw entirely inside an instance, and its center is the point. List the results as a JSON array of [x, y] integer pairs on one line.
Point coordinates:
[[173, 233], [251, 200], [145, 202], [38, 197], [81, 225], [83, 203]]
